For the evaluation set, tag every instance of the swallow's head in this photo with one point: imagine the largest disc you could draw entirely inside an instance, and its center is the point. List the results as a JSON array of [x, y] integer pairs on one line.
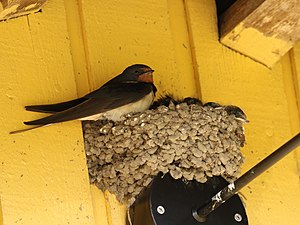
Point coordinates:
[[212, 105], [139, 72], [236, 112]]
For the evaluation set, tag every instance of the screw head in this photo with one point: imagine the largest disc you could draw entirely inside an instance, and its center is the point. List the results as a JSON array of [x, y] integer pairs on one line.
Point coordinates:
[[238, 217], [160, 209]]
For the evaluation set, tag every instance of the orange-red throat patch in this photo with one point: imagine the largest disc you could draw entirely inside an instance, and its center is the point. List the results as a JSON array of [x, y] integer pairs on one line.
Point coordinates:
[[146, 77]]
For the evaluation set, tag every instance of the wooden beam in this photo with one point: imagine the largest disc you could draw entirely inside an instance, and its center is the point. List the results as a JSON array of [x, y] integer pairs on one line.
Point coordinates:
[[15, 8], [264, 30]]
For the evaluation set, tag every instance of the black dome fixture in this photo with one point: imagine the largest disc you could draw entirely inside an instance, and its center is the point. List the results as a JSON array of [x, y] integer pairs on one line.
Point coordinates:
[[177, 202]]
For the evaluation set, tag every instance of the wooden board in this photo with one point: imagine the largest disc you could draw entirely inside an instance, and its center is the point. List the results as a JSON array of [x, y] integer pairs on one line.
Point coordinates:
[[117, 36], [1, 215], [43, 174], [295, 71], [16, 8], [120, 33], [263, 30], [75, 46], [267, 97]]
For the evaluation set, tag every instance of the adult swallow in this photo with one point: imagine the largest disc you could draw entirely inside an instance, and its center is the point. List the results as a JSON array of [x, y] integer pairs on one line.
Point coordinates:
[[131, 91]]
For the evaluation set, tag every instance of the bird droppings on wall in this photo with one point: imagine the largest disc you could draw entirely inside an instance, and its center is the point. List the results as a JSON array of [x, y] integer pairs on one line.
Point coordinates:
[[188, 140]]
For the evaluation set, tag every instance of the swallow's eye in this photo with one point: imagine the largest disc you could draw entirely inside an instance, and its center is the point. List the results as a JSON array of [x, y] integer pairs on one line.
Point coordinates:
[[136, 72]]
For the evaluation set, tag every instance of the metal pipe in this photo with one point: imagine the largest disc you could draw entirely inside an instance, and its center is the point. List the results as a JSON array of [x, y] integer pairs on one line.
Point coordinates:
[[222, 196]]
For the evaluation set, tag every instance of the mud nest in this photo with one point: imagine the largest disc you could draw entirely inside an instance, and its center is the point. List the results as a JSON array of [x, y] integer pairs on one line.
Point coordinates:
[[186, 139]]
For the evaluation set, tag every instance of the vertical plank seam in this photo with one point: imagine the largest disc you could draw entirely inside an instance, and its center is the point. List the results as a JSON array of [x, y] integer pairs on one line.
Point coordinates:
[[192, 47], [181, 45], [290, 86], [85, 44], [108, 208], [294, 75], [31, 39], [78, 48], [1, 214], [295, 80], [77, 36]]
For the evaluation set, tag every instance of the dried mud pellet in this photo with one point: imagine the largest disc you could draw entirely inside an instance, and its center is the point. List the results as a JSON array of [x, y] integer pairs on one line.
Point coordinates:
[[176, 173], [188, 140]]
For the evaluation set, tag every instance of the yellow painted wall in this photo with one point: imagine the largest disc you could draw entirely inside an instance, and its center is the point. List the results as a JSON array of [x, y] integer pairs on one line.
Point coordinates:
[[43, 176], [75, 46]]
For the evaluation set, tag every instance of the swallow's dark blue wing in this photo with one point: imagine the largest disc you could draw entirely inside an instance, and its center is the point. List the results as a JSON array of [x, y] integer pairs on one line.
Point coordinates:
[[55, 108], [106, 98], [62, 106]]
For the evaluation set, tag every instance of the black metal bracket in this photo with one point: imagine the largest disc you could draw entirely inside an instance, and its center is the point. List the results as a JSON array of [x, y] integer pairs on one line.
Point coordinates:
[[172, 202], [175, 202]]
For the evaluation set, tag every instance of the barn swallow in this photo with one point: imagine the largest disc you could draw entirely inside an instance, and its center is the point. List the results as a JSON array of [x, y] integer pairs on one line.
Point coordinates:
[[131, 91], [230, 109], [212, 105], [236, 112]]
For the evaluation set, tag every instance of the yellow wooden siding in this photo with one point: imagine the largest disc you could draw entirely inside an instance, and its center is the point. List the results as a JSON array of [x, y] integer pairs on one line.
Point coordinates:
[[43, 178], [76, 46], [267, 97], [1, 215]]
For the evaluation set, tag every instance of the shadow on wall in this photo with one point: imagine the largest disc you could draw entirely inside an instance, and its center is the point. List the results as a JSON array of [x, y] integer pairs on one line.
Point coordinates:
[[222, 5]]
